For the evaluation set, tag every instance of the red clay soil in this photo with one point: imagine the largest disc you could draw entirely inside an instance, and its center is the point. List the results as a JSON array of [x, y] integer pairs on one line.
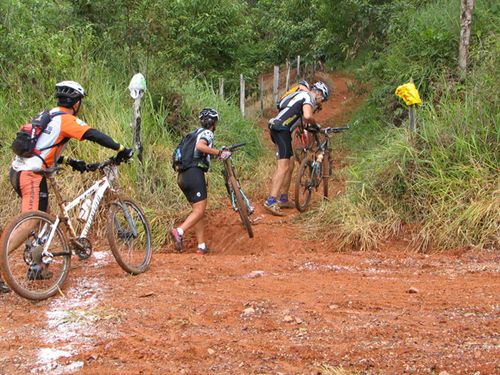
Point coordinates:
[[275, 304]]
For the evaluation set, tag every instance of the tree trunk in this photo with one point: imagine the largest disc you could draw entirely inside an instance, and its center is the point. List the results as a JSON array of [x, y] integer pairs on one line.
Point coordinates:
[[467, 7]]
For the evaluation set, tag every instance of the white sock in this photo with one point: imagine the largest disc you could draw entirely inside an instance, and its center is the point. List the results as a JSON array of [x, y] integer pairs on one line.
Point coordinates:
[[180, 231], [202, 246]]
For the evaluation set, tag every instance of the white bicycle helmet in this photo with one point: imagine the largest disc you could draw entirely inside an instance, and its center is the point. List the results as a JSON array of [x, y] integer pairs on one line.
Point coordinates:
[[208, 117], [322, 88], [69, 89]]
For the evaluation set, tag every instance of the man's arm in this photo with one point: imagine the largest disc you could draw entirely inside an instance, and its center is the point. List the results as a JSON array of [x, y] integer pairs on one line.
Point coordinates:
[[307, 113], [202, 146], [100, 138]]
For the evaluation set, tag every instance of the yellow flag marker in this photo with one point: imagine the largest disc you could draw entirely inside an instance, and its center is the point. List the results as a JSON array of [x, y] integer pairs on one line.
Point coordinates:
[[409, 93]]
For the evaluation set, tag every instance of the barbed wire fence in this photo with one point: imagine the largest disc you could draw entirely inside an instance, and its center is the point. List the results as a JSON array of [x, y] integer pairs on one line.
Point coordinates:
[[255, 95]]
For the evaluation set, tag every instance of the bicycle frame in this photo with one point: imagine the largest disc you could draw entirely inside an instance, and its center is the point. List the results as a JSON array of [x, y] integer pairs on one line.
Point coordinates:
[[97, 191]]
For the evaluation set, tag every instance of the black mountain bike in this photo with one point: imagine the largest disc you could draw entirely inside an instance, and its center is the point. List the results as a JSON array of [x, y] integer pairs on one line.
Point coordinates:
[[238, 198], [316, 166]]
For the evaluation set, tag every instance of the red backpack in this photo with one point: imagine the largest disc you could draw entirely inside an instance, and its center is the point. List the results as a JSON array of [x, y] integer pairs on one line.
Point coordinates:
[[24, 145]]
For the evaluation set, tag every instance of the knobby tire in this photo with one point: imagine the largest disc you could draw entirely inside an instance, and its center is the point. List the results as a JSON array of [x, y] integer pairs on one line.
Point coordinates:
[[14, 269], [326, 174], [242, 207], [303, 185], [132, 254]]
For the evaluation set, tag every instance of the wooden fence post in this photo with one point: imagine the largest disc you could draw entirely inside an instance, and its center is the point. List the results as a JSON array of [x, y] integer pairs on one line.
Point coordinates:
[[221, 88], [137, 88], [276, 81], [242, 95], [287, 84], [413, 118], [261, 84], [412, 114], [298, 67]]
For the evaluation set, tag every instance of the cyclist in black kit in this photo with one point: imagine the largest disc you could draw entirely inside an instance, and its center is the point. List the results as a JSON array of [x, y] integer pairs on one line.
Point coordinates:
[[192, 180], [296, 106]]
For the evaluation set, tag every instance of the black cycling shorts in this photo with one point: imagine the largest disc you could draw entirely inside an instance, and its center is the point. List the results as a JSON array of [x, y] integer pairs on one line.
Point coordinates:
[[283, 142], [193, 184]]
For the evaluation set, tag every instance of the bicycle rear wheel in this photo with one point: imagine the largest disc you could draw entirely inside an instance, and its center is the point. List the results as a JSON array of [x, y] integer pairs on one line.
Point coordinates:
[[304, 185], [240, 204], [21, 247], [132, 251]]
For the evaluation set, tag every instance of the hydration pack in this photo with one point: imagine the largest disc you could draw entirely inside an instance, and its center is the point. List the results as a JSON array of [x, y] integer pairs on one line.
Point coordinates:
[[287, 96], [24, 145], [183, 155]]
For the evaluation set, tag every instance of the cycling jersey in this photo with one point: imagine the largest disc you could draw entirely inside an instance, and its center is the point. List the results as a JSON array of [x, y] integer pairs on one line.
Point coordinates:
[[293, 111], [53, 140], [208, 136]]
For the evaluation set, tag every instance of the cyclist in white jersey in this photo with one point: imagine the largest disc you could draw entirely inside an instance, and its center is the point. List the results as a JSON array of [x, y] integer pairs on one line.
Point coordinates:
[[297, 106]]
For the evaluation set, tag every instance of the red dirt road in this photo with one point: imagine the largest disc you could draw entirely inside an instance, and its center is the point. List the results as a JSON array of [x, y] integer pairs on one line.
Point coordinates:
[[275, 304]]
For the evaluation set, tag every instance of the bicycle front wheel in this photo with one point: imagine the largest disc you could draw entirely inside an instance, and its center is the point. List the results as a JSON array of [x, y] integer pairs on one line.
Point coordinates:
[[242, 207], [326, 174], [129, 236], [304, 185], [21, 247]]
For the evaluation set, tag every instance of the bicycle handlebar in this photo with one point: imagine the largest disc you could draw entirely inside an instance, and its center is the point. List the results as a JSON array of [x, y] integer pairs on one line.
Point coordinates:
[[335, 130], [316, 128], [234, 147], [100, 165]]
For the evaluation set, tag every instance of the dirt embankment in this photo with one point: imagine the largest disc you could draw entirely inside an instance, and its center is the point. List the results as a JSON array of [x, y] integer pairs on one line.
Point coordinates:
[[276, 304]]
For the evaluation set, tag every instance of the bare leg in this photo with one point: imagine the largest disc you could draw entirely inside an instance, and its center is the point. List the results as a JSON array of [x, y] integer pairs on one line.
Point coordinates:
[[285, 187], [279, 176], [199, 229], [195, 217]]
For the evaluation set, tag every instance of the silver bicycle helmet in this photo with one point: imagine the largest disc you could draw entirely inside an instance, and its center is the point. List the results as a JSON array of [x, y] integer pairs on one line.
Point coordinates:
[[322, 88]]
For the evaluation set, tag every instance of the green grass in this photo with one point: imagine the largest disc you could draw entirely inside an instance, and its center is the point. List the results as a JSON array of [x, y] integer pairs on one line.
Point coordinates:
[[443, 182], [109, 109]]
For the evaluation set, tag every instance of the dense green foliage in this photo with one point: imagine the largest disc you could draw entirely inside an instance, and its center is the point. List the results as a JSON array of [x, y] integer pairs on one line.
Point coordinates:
[[443, 181]]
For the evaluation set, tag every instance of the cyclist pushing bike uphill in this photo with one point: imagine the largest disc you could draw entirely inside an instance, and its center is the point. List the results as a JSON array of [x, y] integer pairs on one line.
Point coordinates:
[[191, 159], [38, 147], [297, 106]]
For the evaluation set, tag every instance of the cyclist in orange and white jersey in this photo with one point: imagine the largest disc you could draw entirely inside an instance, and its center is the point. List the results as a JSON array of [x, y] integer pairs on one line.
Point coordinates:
[[32, 187]]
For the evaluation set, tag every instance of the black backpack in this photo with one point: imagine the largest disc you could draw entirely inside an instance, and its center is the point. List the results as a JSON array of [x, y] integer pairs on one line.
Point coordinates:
[[183, 155], [24, 145]]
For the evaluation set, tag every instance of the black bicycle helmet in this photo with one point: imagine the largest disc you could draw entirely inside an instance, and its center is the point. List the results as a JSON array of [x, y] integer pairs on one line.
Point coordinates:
[[208, 117]]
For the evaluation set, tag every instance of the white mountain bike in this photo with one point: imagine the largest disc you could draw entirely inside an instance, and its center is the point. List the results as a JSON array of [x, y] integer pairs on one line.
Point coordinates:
[[36, 247]]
